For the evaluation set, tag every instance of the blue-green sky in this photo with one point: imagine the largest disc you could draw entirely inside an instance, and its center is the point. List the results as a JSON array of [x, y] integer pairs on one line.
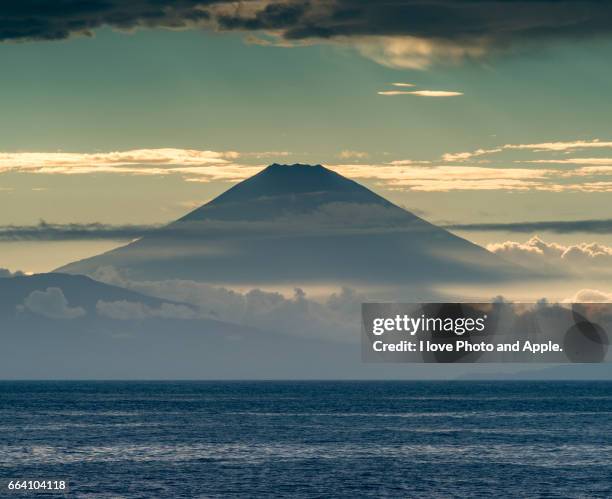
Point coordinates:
[[204, 90], [198, 89]]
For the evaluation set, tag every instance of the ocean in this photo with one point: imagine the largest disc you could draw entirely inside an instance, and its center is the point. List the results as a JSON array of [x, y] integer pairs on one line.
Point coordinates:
[[309, 439]]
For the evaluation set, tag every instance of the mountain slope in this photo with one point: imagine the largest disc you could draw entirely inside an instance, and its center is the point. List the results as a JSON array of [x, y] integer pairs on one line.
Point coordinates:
[[79, 290], [302, 224]]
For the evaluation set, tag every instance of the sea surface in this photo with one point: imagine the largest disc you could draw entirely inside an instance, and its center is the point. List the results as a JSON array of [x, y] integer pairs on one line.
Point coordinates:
[[309, 439]]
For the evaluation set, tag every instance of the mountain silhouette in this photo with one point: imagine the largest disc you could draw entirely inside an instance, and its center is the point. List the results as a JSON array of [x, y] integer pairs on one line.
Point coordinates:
[[79, 290], [296, 189], [299, 224]]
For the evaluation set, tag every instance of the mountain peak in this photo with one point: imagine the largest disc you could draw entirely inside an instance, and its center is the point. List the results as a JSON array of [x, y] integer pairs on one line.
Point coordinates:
[[298, 172], [279, 180], [277, 166], [298, 177], [297, 188]]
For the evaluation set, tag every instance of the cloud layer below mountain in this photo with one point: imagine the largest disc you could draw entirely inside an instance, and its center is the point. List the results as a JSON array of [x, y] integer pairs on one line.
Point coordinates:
[[334, 317], [52, 304], [584, 259]]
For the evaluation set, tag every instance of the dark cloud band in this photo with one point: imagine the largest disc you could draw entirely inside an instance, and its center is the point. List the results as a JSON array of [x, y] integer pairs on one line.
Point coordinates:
[[59, 19], [461, 21], [458, 20], [560, 227], [98, 231], [71, 232]]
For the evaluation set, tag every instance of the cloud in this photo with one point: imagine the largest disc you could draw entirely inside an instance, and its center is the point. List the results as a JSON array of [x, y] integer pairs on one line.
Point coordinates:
[[589, 296], [435, 93], [333, 316], [422, 93], [49, 20], [580, 259], [403, 33], [328, 217], [595, 226], [463, 156], [562, 146], [599, 165], [411, 34], [584, 187], [52, 303], [348, 154], [128, 310], [410, 52], [539, 147], [210, 165], [427, 177], [67, 232], [394, 92], [265, 154], [403, 84], [569, 174], [593, 170], [408, 162], [444, 178]]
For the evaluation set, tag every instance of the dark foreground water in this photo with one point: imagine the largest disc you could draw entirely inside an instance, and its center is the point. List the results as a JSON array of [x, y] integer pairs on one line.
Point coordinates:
[[310, 439]]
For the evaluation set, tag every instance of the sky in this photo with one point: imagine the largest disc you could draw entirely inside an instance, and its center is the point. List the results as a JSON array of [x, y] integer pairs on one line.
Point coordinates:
[[129, 113]]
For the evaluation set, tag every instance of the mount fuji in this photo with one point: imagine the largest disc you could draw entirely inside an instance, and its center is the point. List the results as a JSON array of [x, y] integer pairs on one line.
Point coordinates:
[[302, 224]]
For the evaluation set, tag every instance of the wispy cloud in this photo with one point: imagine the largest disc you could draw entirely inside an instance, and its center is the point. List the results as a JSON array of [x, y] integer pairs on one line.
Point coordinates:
[[348, 154], [212, 165], [463, 156], [593, 170], [562, 146], [265, 154], [403, 84], [590, 174], [605, 162], [566, 146], [408, 162], [436, 93], [421, 93], [165, 156], [423, 176], [394, 92], [446, 178]]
